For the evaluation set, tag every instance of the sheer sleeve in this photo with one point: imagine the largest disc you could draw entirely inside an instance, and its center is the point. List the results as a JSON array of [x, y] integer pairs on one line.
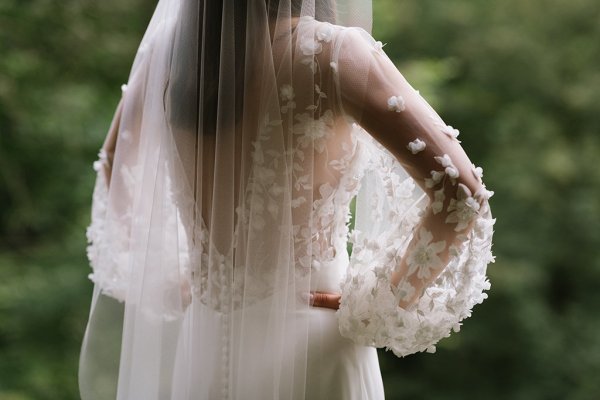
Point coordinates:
[[103, 168], [423, 232], [109, 232]]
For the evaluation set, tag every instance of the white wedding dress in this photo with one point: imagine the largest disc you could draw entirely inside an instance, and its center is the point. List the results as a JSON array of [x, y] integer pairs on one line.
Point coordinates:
[[213, 318]]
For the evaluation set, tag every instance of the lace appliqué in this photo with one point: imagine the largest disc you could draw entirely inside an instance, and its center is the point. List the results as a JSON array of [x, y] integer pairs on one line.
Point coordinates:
[[369, 313]]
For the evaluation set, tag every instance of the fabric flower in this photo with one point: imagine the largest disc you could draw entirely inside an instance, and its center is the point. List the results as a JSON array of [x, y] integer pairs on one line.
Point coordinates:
[[477, 172], [97, 166], [396, 103], [287, 92], [381, 273], [438, 201], [102, 160], [310, 47], [416, 146], [452, 172], [463, 209], [484, 194], [405, 291], [450, 131], [334, 67], [315, 132], [297, 202], [436, 177], [445, 160], [424, 256], [319, 92], [325, 33], [450, 169]]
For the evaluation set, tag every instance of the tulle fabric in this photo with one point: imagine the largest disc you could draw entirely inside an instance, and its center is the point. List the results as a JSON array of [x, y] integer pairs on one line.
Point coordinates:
[[201, 238], [223, 199]]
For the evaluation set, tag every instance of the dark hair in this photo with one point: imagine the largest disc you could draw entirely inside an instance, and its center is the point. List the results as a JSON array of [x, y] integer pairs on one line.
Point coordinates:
[[324, 10], [183, 97]]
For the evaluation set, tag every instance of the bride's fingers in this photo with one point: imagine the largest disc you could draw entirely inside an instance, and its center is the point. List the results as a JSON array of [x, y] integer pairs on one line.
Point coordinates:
[[326, 300]]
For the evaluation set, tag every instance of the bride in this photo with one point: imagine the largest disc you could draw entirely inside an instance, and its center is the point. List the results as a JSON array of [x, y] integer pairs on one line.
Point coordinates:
[[248, 135]]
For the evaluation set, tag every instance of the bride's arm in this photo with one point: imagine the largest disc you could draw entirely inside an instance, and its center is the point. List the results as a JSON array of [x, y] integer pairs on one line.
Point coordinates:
[[107, 152], [440, 274], [400, 119], [428, 149]]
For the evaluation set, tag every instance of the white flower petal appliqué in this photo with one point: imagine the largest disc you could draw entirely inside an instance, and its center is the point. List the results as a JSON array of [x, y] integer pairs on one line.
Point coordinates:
[[325, 33], [381, 273], [438, 201], [436, 178], [447, 163], [396, 104], [319, 92], [405, 291], [452, 172], [416, 146], [378, 47], [450, 131], [310, 47], [484, 194], [287, 92], [295, 203], [287, 95], [334, 67], [102, 160], [463, 209], [312, 131], [124, 88], [477, 172], [424, 257]]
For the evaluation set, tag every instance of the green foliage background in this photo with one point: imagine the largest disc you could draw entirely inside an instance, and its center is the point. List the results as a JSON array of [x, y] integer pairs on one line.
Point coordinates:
[[520, 78]]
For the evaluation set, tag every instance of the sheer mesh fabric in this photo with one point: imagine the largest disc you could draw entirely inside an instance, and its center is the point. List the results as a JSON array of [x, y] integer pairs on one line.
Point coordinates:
[[223, 199]]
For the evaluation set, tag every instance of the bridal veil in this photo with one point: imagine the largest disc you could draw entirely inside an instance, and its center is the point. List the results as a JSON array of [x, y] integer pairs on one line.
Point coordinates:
[[217, 199]]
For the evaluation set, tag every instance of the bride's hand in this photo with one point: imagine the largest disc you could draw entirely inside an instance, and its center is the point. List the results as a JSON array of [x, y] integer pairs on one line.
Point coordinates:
[[325, 300]]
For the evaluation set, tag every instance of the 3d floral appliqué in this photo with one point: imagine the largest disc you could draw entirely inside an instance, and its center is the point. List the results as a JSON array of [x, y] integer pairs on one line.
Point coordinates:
[[416, 146], [396, 104], [450, 131], [424, 258], [463, 209], [447, 163]]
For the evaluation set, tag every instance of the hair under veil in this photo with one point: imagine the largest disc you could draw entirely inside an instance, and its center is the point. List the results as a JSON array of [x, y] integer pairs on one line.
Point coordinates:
[[223, 199]]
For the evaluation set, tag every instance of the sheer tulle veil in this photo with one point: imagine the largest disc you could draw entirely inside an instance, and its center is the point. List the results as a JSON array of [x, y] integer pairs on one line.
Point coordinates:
[[201, 234], [223, 196]]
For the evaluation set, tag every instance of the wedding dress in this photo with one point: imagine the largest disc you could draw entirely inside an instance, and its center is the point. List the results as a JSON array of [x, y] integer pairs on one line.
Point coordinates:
[[246, 134]]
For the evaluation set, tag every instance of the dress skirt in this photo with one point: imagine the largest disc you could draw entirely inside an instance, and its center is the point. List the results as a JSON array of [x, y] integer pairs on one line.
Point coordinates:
[[331, 366]]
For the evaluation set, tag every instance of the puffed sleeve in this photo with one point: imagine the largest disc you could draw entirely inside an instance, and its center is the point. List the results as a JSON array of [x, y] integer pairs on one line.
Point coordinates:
[[423, 232]]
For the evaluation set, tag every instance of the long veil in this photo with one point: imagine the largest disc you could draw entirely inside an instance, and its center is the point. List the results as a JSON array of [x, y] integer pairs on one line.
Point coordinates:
[[201, 236], [222, 201]]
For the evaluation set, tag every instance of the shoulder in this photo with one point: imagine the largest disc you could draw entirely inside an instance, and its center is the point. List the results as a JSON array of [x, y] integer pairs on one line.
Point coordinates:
[[346, 44], [328, 33], [356, 44]]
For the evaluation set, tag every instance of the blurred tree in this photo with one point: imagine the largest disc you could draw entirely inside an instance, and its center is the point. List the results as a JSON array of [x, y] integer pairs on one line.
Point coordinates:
[[519, 78], [61, 64]]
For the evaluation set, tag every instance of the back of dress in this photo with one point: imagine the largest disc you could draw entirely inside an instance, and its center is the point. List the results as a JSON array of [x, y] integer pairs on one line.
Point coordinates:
[[223, 199]]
